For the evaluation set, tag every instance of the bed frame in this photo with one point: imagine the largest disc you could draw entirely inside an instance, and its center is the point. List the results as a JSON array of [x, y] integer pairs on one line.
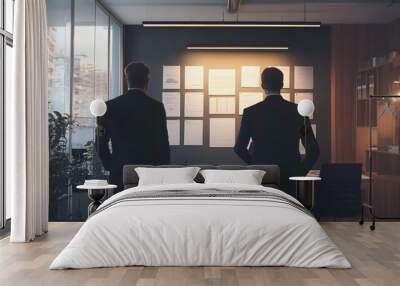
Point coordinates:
[[270, 179]]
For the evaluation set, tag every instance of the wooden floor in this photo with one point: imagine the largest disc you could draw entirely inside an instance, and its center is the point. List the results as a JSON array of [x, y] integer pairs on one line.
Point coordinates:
[[375, 257]]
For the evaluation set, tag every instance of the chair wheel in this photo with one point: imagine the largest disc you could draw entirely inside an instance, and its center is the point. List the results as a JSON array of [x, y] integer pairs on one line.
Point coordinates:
[[372, 227], [361, 222]]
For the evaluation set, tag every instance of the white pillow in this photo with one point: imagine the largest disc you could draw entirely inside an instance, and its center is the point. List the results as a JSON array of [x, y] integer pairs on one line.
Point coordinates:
[[248, 177], [166, 176]]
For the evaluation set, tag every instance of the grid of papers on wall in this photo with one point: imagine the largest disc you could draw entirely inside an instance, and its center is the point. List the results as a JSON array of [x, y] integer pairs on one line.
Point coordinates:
[[195, 98]]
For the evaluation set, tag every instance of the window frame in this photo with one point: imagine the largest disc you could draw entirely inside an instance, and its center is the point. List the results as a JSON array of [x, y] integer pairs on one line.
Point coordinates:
[[6, 39], [112, 21]]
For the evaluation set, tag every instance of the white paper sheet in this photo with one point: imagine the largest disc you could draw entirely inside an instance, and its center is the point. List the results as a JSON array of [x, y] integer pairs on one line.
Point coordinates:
[[301, 147], [303, 77], [222, 132], [286, 96], [194, 104], [193, 133], [250, 76], [174, 132], [194, 77], [247, 99], [299, 96], [286, 75], [221, 82], [172, 103], [171, 77], [222, 105]]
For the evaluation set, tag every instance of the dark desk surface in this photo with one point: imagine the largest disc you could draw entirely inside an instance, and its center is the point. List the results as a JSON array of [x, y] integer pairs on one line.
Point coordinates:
[[316, 173]]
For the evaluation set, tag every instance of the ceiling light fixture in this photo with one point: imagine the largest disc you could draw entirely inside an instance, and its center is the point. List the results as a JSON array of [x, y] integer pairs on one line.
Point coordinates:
[[202, 24], [225, 48]]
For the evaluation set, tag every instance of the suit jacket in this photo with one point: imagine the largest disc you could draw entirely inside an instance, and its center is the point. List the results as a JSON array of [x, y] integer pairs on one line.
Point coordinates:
[[275, 128], [136, 126]]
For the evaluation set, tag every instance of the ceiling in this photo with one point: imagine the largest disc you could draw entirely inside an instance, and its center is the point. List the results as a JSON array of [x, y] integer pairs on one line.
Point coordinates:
[[327, 12]]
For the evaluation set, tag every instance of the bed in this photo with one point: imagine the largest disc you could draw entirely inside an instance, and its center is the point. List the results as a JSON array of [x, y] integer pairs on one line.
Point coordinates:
[[198, 224]]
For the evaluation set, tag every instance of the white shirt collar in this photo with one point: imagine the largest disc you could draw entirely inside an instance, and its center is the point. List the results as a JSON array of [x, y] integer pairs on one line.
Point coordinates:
[[136, 88], [274, 93]]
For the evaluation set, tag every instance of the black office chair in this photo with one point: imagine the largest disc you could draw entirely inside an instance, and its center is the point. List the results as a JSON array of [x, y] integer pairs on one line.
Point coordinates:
[[339, 193]]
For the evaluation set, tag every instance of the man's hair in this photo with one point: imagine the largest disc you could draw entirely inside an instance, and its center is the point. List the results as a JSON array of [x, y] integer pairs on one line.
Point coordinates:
[[272, 79], [137, 74]]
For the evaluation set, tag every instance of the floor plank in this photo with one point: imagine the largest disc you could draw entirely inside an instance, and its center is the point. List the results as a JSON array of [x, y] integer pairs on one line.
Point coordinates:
[[375, 256]]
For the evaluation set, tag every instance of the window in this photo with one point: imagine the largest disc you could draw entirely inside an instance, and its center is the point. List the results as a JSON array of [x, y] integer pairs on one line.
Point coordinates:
[[115, 59], [2, 194], [81, 70], [84, 55], [59, 94], [101, 54], [8, 69], [6, 44], [9, 15], [59, 52]]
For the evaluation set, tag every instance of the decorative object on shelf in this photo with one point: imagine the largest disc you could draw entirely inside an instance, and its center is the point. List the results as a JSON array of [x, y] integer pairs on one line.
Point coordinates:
[[396, 86], [387, 108]]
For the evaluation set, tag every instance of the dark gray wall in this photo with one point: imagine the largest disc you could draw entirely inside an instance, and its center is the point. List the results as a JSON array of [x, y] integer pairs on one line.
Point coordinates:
[[167, 46]]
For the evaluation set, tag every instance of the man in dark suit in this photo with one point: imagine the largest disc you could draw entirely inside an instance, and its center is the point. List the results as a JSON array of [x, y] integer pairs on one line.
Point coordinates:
[[275, 128], [136, 125]]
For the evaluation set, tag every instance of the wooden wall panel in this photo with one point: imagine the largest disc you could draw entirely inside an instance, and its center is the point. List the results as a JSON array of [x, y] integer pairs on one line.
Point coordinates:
[[351, 45], [343, 53], [394, 36]]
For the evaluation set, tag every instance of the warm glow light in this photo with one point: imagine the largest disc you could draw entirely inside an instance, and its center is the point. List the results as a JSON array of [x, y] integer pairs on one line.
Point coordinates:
[[232, 24], [235, 48]]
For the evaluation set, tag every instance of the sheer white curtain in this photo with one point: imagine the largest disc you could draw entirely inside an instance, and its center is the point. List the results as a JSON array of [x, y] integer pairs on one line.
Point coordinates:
[[26, 124]]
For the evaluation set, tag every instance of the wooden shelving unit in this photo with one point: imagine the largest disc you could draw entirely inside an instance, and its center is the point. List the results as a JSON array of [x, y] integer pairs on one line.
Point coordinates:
[[378, 136]]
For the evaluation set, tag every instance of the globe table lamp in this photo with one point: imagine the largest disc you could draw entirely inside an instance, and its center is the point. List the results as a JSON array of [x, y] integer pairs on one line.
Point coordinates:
[[97, 108], [306, 109], [96, 187]]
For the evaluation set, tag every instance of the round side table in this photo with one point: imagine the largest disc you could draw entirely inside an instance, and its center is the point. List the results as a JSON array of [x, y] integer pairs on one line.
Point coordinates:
[[96, 195], [305, 187]]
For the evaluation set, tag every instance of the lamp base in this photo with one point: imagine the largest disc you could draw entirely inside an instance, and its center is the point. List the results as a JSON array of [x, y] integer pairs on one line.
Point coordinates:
[[97, 177]]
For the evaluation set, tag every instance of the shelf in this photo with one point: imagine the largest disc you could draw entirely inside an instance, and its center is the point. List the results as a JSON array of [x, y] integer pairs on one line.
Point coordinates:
[[384, 96], [394, 62]]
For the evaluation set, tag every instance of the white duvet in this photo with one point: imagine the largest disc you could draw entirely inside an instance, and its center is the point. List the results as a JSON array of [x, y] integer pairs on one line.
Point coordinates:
[[193, 231]]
